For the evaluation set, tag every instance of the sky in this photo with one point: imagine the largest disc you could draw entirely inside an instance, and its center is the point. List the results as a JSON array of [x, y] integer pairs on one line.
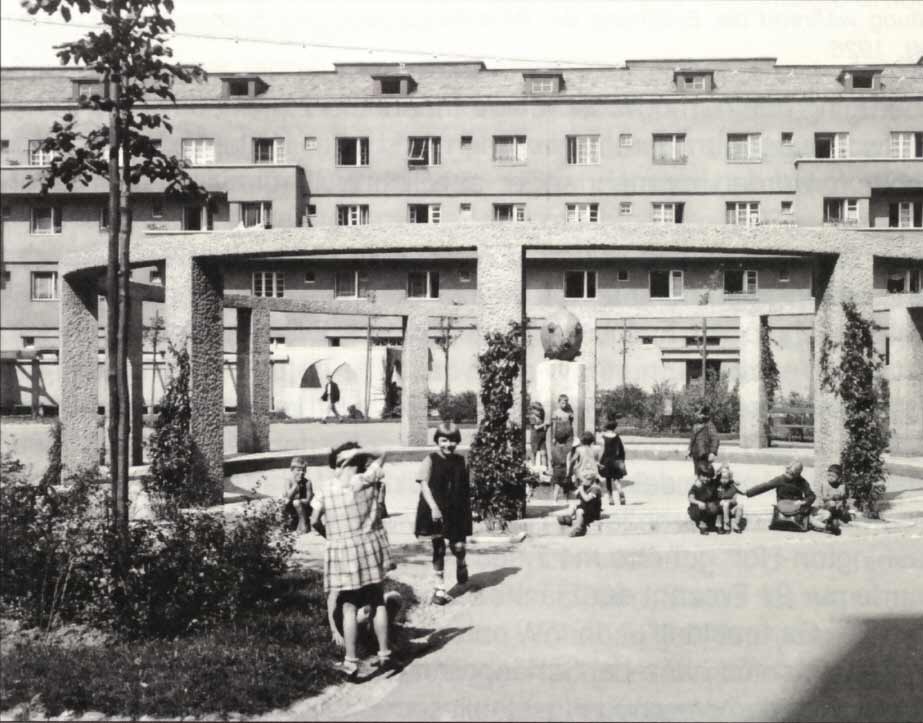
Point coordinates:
[[504, 33]]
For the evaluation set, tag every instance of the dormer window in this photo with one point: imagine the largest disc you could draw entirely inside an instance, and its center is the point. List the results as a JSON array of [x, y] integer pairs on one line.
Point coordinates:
[[694, 81], [88, 88], [243, 86], [543, 83], [860, 78], [401, 84]]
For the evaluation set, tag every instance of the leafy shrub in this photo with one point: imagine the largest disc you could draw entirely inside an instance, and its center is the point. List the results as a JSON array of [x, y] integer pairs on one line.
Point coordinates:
[[626, 403], [171, 483], [497, 458], [461, 407], [57, 554], [851, 378], [718, 394]]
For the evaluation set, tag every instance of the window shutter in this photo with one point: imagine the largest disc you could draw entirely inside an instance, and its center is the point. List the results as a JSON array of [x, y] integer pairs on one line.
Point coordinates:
[[678, 213], [894, 211]]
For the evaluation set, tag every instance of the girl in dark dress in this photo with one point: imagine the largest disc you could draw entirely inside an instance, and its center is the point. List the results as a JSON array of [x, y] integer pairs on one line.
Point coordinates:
[[444, 509], [612, 462]]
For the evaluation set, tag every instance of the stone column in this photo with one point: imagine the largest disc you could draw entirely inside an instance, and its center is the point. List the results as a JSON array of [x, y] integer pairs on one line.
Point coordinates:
[[847, 277], [79, 374], [415, 375], [588, 357], [501, 294], [254, 383], [194, 320], [753, 404], [905, 379], [136, 377]]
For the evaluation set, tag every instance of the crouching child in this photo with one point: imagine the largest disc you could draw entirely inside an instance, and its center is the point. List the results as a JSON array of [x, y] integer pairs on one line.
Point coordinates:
[[730, 511], [833, 509]]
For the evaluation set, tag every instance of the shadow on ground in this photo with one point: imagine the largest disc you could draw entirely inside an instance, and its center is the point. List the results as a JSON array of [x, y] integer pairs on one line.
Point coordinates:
[[483, 580], [877, 679]]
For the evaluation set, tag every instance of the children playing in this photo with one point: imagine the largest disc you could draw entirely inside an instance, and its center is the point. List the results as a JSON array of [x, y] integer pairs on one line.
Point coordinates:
[[588, 507], [358, 554], [833, 509], [444, 509], [612, 461], [730, 510]]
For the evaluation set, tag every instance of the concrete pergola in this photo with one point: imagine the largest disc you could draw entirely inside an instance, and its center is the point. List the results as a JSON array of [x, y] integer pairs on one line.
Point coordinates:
[[194, 300]]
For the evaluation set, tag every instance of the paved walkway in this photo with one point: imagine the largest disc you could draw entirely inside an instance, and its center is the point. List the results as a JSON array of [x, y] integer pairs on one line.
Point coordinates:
[[761, 626]]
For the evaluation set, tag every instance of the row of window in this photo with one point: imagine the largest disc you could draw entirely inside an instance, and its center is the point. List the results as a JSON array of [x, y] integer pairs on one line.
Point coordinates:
[[354, 284], [580, 150], [258, 214]]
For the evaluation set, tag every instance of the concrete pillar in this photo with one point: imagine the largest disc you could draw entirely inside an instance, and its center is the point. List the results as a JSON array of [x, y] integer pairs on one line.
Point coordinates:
[[415, 374], [588, 357], [194, 320], [501, 299], [254, 379], [79, 374], [753, 404], [136, 377], [905, 379], [847, 277]]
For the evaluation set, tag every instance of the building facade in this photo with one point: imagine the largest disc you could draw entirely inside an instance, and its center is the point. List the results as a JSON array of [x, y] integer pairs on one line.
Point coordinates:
[[685, 143]]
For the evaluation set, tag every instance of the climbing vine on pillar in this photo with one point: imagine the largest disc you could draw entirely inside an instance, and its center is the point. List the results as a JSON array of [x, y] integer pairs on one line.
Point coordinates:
[[851, 377], [497, 458], [768, 369]]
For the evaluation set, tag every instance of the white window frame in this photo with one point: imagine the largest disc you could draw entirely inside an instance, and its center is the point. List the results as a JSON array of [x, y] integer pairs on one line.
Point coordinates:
[[585, 277], [358, 275], [752, 151], [542, 86], [905, 214], [626, 140], [264, 209], [430, 286], [625, 208], [660, 211], [276, 148], [839, 144], [54, 219], [787, 138], [38, 157], [582, 212], [433, 212], [749, 284], [910, 277], [674, 274], [465, 210], [848, 211], [361, 149], [622, 276], [198, 151], [696, 81], [424, 151], [742, 213], [34, 276], [583, 150], [787, 211], [310, 143], [276, 344], [354, 214], [517, 212], [678, 147], [906, 144], [518, 145], [276, 281]]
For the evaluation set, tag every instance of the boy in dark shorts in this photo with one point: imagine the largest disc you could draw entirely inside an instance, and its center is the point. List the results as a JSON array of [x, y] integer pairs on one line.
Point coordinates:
[[703, 504]]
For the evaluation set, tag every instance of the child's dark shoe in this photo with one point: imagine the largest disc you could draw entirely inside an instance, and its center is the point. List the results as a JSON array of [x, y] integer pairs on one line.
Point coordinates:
[[741, 526], [565, 519], [441, 597]]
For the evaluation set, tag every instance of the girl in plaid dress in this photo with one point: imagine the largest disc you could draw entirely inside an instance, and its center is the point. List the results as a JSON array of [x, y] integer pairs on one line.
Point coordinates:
[[358, 555]]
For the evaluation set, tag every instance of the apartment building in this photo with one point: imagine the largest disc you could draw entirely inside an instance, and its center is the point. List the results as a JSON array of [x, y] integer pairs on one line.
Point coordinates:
[[689, 143]]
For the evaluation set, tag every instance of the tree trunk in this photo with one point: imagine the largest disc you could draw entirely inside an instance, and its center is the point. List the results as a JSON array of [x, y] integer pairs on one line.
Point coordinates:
[[112, 305], [624, 351], [124, 393], [704, 352], [445, 350], [155, 333]]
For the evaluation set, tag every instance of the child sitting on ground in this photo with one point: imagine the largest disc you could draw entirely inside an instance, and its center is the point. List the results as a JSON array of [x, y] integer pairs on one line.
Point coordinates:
[[833, 509], [612, 462], [588, 507], [731, 511]]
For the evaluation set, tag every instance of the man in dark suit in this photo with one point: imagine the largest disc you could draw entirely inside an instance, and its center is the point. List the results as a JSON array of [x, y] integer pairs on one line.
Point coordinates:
[[703, 446], [331, 395]]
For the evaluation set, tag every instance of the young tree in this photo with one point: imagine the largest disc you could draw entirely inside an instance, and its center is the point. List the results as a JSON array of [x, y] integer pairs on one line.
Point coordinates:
[[154, 333], [130, 56], [447, 336]]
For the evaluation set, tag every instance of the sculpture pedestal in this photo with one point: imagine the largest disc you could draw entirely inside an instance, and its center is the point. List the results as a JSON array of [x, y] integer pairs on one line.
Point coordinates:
[[554, 377]]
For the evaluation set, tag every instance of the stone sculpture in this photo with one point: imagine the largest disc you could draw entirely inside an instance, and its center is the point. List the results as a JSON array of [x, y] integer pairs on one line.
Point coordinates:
[[562, 336]]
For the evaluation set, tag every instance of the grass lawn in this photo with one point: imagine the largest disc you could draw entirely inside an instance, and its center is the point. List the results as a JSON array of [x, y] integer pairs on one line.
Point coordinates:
[[266, 659]]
